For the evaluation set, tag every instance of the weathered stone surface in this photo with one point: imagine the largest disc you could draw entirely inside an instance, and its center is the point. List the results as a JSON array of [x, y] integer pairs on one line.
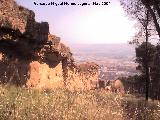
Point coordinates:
[[117, 86], [1, 56], [19, 18], [21, 33], [34, 57], [13, 71], [11, 17], [55, 42], [42, 76], [83, 77]]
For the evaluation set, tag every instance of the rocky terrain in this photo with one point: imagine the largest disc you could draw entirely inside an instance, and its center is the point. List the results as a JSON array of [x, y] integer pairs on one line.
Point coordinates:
[[31, 56]]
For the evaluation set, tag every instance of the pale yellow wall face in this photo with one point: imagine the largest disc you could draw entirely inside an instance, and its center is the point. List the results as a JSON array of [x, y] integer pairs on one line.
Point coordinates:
[[81, 81], [42, 76], [1, 56]]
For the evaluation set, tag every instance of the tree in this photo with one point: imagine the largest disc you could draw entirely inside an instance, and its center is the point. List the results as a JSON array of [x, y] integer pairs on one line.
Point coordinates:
[[146, 12], [147, 55], [143, 17], [141, 57], [135, 10], [155, 74], [144, 54], [153, 11]]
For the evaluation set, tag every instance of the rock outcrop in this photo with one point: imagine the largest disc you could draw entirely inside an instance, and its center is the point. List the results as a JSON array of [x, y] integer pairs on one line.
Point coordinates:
[[117, 86], [31, 56]]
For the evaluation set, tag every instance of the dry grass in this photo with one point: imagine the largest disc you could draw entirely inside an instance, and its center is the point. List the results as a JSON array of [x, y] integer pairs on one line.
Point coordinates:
[[60, 104]]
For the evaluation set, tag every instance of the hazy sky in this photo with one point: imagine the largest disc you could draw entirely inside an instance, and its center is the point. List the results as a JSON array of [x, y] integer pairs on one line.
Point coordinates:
[[85, 24]]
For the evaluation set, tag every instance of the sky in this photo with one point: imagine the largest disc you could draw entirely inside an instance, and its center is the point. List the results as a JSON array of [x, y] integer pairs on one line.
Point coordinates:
[[84, 24]]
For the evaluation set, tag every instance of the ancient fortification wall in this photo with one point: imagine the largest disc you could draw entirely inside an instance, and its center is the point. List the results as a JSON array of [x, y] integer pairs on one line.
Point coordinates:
[[84, 77], [31, 56]]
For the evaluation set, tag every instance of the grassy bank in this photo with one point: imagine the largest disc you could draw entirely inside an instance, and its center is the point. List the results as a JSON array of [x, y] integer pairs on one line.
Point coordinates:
[[22, 104]]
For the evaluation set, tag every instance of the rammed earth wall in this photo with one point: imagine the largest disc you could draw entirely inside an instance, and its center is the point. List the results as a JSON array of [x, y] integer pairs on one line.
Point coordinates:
[[30, 56]]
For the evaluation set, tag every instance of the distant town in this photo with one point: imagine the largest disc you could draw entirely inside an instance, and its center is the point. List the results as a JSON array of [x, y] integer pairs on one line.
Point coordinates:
[[117, 64]]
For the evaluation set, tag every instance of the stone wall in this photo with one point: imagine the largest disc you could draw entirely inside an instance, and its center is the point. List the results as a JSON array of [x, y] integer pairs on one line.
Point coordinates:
[[1, 56], [84, 77], [19, 18], [35, 58], [13, 71], [42, 76]]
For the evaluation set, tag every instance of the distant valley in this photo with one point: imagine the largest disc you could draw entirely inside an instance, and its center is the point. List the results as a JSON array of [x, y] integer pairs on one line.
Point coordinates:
[[115, 60], [98, 51]]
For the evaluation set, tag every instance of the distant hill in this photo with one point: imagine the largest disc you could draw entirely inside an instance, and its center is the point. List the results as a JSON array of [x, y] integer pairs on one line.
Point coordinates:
[[103, 50]]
